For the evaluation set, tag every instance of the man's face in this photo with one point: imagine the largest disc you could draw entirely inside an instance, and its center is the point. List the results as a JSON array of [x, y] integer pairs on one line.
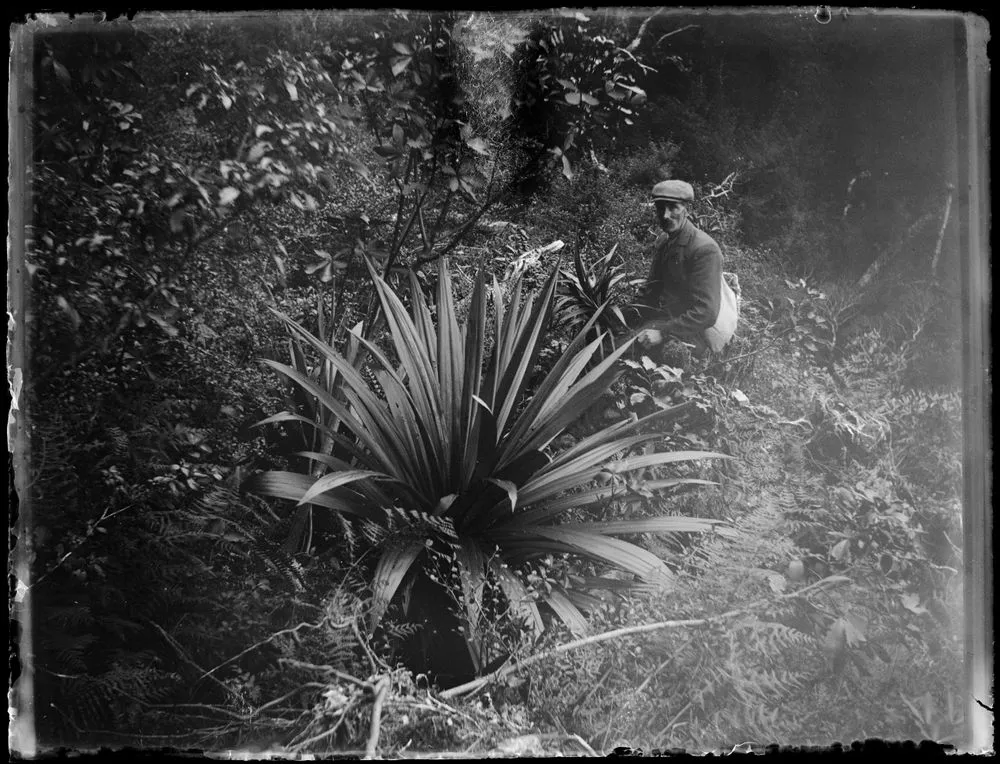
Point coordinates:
[[670, 215]]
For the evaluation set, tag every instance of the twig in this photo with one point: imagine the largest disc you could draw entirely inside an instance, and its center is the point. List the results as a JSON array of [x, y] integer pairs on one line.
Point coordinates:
[[724, 188], [373, 732], [239, 655], [754, 352], [61, 676], [607, 733], [801, 421], [503, 672], [327, 733], [673, 721], [597, 685], [235, 715], [442, 215], [287, 695], [328, 669], [676, 31], [187, 659], [479, 739], [468, 225], [437, 704], [90, 532], [582, 743], [662, 666]]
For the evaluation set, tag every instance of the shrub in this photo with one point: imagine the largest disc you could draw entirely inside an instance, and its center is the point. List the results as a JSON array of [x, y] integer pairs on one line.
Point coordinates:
[[927, 437]]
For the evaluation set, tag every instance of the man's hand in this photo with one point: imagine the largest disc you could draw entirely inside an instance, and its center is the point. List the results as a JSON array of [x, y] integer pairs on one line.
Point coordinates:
[[649, 337]]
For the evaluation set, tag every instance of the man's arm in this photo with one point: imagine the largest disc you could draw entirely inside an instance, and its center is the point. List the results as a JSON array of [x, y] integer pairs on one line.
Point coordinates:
[[646, 307], [705, 280]]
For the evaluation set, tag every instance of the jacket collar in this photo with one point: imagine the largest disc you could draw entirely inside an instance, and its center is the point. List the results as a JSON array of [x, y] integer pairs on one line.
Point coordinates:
[[683, 236]]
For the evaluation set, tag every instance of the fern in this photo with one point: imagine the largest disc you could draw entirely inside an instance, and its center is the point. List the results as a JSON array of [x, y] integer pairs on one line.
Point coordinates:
[[400, 520], [120, 446]]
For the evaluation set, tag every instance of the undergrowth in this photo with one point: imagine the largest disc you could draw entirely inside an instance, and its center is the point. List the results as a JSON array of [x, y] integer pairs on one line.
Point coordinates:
[[841, 471]]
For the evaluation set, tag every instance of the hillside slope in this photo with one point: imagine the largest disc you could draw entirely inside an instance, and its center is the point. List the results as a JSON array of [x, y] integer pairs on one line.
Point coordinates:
[[841, 470]]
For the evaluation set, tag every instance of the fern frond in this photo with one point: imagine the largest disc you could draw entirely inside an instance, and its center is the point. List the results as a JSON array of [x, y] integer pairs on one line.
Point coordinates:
[[119, 442]]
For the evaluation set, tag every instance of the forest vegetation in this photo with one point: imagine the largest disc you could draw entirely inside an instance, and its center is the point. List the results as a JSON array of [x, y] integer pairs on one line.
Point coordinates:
[[336, 446]]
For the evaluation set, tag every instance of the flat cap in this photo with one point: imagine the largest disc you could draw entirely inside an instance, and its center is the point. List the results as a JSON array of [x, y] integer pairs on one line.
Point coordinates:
[[674, 190]]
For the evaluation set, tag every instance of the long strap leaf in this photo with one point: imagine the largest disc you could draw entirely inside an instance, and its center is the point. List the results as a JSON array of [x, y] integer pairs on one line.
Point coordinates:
[[472, 574], [469, 419], [381, 447], [416, 362], [333, 480], [647, 525], [294, 485], [517, 595], [597, 496], [414, 425], [619, 553], [451, 369], [369, 405], [651, 460], [370, 488], [422, 317], [622, 429], [568, 613], [392, 568], [525, 352], [347, 444]]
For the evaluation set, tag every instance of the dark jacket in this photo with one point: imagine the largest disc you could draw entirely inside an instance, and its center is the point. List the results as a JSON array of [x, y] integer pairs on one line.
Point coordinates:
[[683, 293]]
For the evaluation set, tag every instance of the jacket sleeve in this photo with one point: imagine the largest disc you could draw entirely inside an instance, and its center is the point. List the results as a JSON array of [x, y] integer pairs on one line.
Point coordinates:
[[705, 279]]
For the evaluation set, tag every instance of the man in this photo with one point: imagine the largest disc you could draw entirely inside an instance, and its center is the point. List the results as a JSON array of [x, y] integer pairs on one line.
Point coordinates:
[[685, 296]]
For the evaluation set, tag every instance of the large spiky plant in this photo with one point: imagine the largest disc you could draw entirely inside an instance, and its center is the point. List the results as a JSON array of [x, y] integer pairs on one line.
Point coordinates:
[[462, 444]]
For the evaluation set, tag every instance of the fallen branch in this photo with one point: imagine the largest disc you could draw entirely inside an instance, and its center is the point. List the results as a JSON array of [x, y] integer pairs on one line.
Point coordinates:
[[631, 47], [373, 733], [502, 673]]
